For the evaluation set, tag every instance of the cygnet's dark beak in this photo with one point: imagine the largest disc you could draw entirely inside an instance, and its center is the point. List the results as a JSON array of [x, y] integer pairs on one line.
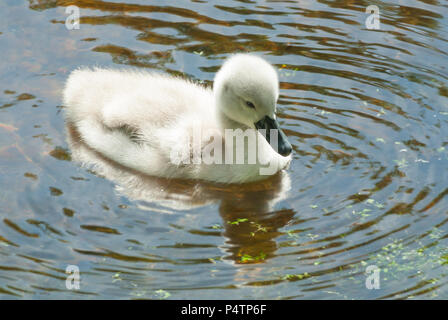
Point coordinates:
[[284, 147]]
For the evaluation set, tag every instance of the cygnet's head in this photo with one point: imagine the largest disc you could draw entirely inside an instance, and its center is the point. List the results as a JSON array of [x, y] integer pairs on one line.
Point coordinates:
[[246, 91]]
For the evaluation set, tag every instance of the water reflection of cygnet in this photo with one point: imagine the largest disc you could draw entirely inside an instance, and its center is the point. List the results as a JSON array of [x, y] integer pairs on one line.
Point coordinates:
[[250, 223]]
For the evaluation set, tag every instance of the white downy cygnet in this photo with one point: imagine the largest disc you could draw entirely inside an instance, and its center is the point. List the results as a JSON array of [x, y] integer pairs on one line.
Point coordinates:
[[162, 125]]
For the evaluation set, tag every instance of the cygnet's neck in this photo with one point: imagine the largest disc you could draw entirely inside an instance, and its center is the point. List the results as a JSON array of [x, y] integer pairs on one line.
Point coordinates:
[[226, 123]]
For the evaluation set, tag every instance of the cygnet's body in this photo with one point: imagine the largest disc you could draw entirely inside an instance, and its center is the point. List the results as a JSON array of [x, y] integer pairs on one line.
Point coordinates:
[[150, 122]]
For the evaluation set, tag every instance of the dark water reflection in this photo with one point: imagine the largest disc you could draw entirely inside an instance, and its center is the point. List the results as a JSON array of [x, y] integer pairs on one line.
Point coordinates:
[[252, 204], [365, 110]]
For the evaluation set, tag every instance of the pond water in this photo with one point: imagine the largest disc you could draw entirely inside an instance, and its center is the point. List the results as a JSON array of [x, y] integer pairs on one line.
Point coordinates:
[[365, 110]]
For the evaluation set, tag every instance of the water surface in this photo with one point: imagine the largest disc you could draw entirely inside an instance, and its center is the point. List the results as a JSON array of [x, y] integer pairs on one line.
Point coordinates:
[[365, 110]]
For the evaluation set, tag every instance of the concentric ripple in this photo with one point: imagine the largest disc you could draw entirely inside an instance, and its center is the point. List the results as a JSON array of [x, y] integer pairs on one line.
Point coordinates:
[[365, 110]]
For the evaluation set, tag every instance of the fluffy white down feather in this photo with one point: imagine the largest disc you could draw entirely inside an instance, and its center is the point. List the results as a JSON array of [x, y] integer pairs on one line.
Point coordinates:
[[140, 119]]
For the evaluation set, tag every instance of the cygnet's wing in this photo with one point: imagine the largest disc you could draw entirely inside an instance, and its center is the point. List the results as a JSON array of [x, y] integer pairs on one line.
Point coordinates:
[[134, 118]]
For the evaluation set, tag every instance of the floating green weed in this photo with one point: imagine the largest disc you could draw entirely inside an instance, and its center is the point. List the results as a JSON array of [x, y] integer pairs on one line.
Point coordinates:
[[238, 221], [401, 163], [162, 294], [248, 258], [292, 277], [363, 213]]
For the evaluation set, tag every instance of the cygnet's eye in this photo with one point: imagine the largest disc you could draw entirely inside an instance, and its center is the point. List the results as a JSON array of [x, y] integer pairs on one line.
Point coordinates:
[[250, 104]]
